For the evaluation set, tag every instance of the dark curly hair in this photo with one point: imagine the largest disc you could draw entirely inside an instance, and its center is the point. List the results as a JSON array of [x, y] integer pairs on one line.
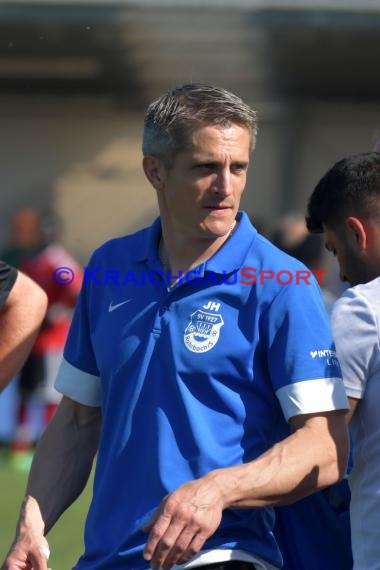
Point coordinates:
[[350, 187]]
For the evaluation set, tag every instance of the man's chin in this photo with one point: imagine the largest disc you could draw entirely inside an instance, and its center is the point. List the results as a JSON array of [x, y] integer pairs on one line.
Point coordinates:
[[219, 229], [215, 235]]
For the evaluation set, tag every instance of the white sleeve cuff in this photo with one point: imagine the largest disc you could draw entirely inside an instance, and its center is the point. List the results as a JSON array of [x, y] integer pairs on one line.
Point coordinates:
[[80, 386], [312, 396]]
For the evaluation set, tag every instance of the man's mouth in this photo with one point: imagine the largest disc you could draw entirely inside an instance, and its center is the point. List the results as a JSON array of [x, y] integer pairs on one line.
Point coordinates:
[[218, 207]]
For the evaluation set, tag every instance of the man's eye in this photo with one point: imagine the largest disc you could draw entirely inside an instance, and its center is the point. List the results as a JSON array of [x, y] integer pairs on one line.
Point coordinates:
[[239, 168], [208, 166]]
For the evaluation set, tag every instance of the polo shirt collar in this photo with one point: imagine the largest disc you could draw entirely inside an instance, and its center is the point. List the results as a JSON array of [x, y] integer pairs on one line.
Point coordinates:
[[232, 254], [227, 259], [149, 251]]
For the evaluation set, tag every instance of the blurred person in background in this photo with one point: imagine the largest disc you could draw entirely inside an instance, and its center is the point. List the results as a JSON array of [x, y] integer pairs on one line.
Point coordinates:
[[320, 522], [292, 236], [182, 383], [26, 237], [345, 206], [34, 248]]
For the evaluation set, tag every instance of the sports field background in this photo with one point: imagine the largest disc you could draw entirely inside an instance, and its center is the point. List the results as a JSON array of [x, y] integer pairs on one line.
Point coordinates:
[[66, 538]]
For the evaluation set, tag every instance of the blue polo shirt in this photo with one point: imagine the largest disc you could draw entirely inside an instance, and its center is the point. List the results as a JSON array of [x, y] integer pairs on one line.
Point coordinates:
[[191, 378]]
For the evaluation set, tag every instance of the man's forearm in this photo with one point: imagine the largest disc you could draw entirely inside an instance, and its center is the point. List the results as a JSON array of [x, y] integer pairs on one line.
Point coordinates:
[[292, 469], [62, 464], [20, 320], [309, 459]]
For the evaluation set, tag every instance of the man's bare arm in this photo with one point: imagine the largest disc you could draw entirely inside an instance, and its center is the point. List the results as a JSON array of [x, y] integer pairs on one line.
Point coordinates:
[[354, 403], [314, 456], [20, 320], [60, 470]]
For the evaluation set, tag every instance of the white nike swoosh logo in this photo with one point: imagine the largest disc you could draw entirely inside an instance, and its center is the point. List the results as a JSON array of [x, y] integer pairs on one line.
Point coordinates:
[[114, 307]]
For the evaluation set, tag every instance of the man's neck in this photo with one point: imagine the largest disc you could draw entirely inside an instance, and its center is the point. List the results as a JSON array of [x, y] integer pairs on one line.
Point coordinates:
[[182, 255]]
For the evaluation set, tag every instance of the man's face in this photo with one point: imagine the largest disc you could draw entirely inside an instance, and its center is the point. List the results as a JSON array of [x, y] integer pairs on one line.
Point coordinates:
[[201, 192], [353, 264]]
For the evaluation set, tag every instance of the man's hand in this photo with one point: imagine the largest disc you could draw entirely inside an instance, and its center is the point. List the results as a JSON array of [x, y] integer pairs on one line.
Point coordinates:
[[60, 470], [28, 552], [183, 522]]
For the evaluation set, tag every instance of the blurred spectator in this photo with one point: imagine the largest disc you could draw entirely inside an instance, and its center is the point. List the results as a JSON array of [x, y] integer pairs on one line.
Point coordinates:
[[292, 236], [26, 237], [34, 249]]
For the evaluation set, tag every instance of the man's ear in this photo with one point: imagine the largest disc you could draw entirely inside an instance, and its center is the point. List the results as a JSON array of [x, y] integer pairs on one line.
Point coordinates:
[[154, 171], [358, 232]]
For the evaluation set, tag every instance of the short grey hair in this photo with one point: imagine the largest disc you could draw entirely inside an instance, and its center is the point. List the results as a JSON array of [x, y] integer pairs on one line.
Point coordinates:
[[170, 120]]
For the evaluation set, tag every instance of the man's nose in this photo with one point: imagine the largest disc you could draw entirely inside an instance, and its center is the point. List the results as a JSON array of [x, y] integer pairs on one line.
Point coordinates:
[[223, 183]]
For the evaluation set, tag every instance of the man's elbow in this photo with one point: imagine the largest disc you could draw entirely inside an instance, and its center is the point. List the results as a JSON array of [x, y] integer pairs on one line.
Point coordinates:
[[31, 294], [40, 300]]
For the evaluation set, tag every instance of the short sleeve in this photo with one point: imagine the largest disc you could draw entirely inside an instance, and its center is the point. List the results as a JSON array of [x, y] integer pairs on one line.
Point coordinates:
[[8, 276], [355, 333], [78, 377], [303, 366]]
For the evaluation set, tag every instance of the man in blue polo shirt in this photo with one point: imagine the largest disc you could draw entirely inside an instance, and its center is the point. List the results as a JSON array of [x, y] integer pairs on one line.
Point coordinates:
[[192, 344]]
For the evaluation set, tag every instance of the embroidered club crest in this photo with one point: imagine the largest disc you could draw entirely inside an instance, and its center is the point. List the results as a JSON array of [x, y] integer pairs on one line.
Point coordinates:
[[203, 331]]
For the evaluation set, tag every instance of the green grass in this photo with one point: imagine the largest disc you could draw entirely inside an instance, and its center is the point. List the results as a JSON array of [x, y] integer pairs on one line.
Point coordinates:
[[65, 539]]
